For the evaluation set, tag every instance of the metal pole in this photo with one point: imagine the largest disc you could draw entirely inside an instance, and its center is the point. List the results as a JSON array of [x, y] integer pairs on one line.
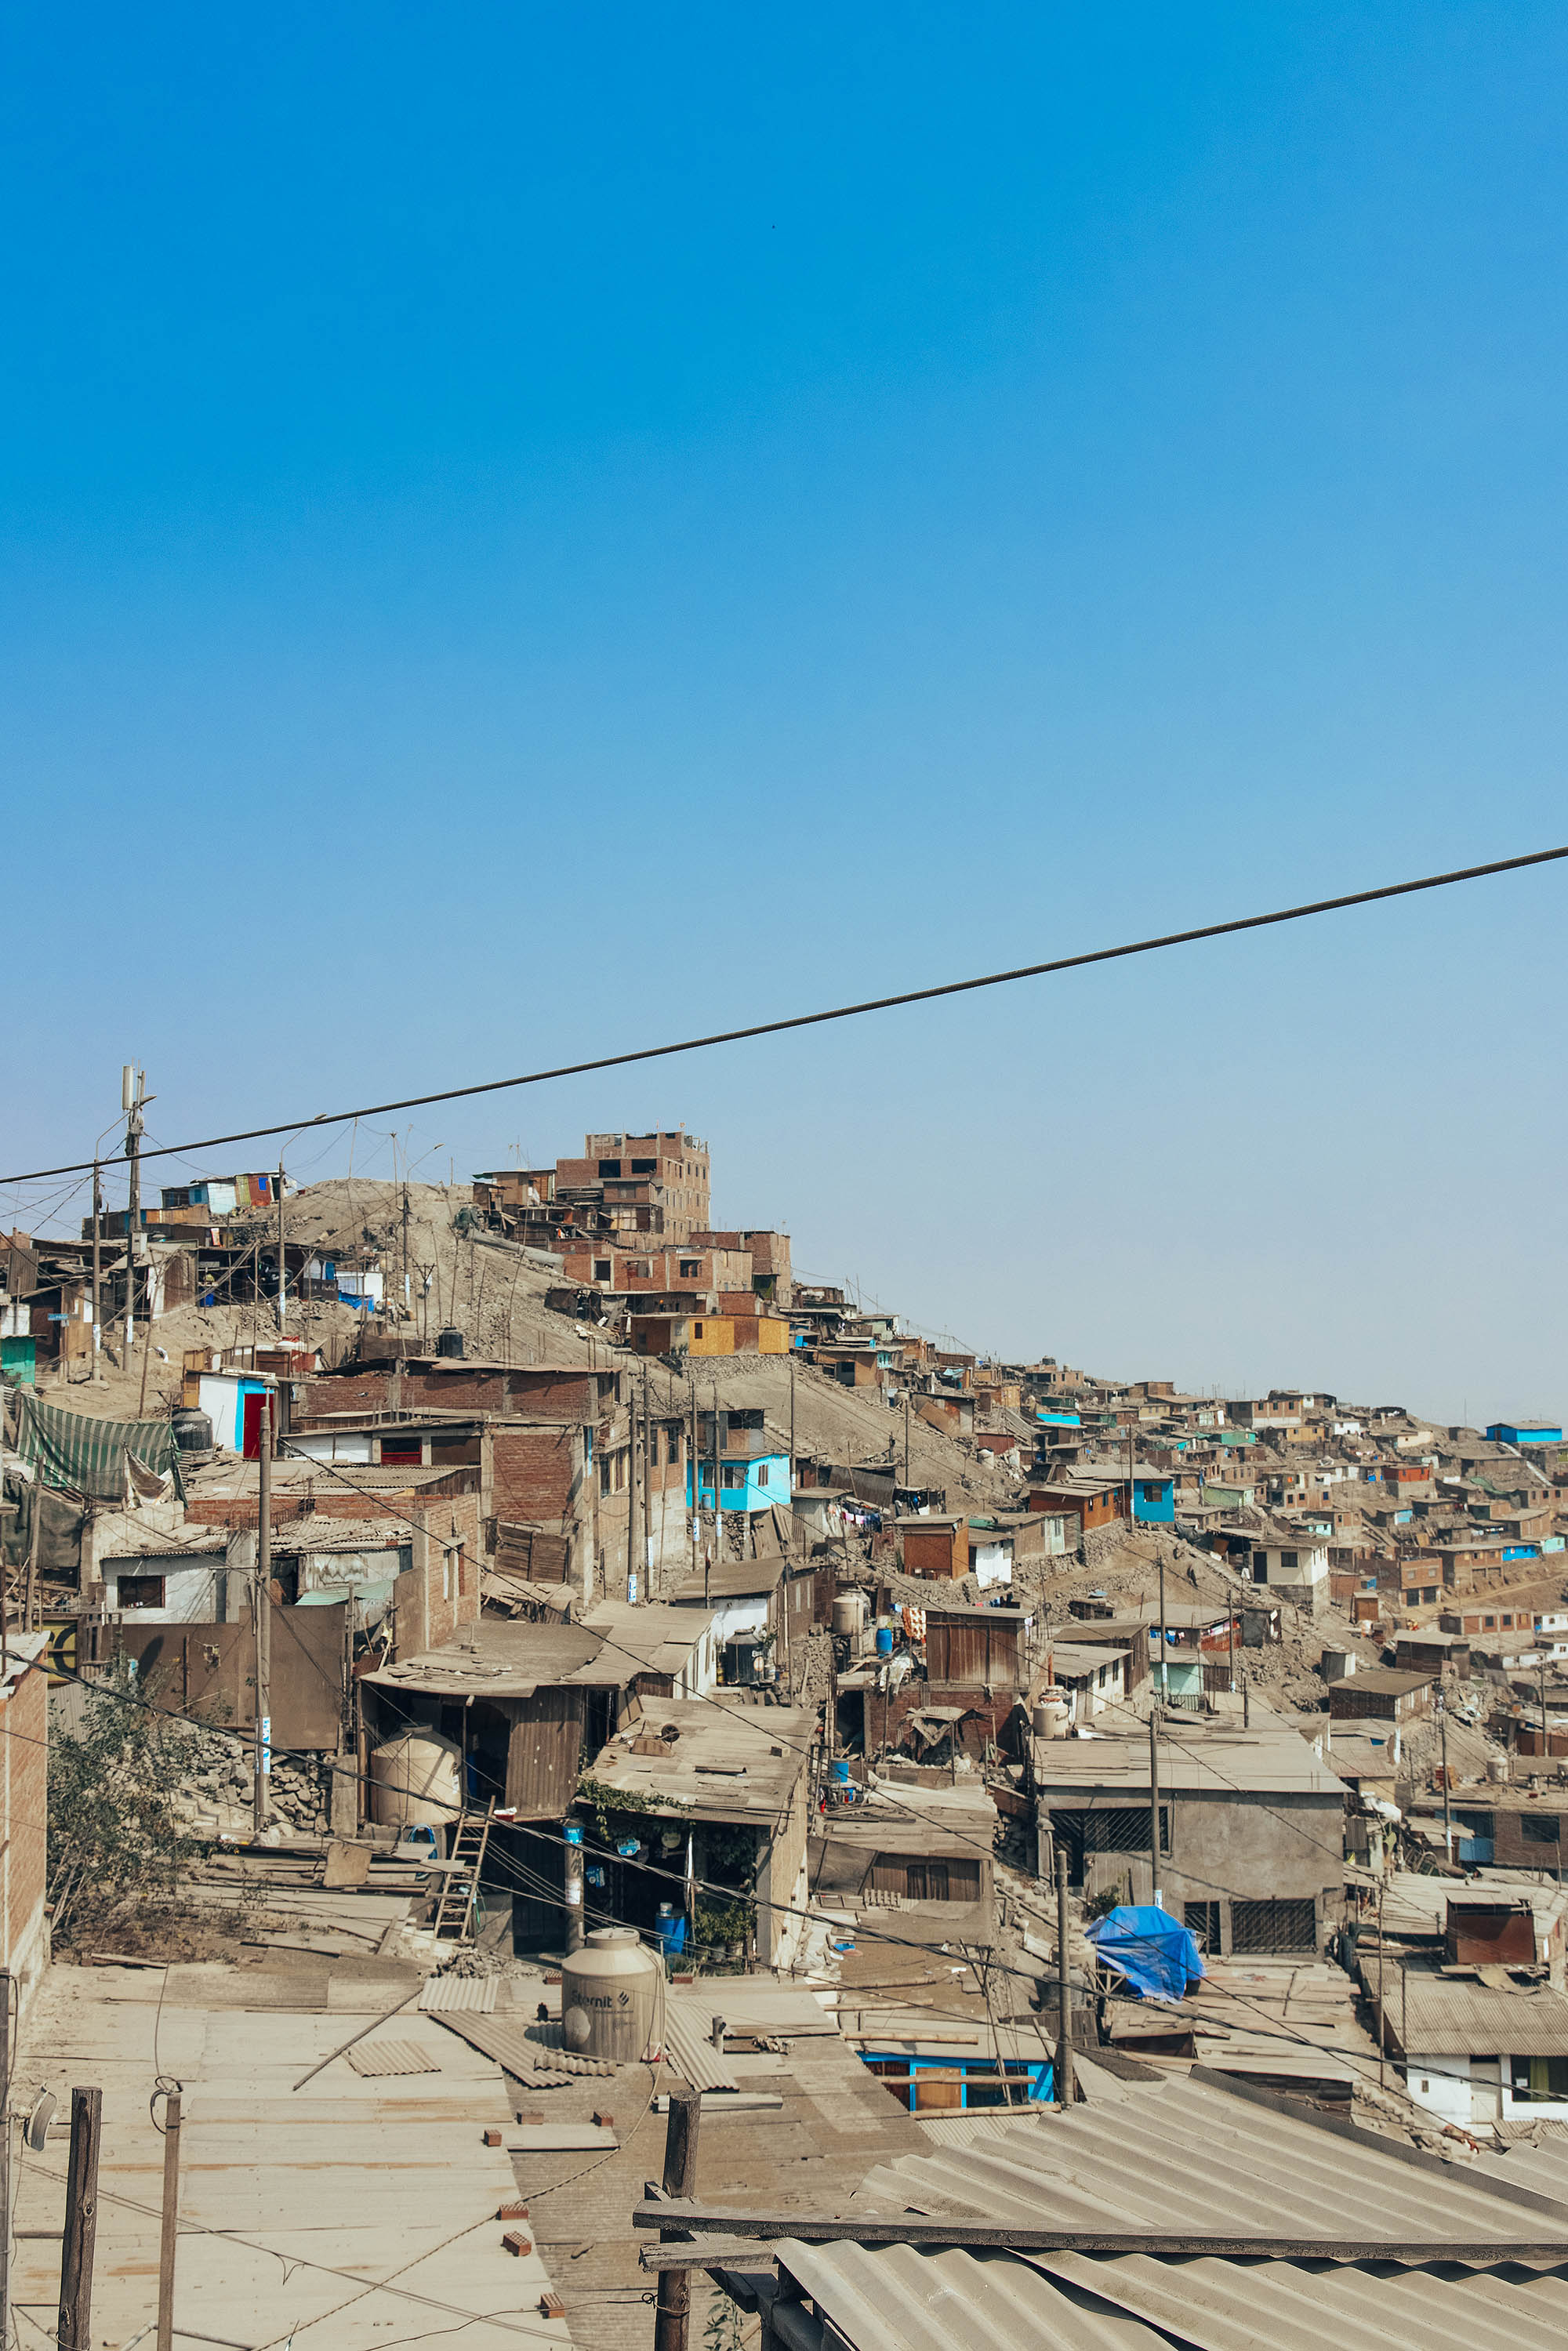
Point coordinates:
[[672, 2318], [74, 2332], [1154, 1802], [263, 1764], [630, 1486], [1230, 1635], [1063, 1989], [695, 1468], [96, 1273], [170, 2221], [1546, 1735], [907, 1433], [282, 1264]]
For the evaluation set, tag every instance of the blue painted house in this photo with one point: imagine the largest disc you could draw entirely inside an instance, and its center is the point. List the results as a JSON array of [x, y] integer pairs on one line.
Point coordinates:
[[1154, 1498], [749, 1482], [1524, 1432]]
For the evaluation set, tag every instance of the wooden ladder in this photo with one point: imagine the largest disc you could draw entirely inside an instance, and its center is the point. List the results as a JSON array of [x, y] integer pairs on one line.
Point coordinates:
[[454, 1920]]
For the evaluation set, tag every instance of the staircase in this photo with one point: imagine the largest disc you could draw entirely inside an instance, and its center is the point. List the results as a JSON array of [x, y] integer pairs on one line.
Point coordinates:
[[453, 1921]]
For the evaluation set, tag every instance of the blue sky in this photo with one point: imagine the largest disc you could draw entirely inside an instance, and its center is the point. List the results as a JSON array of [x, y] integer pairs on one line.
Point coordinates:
[[542, 530]]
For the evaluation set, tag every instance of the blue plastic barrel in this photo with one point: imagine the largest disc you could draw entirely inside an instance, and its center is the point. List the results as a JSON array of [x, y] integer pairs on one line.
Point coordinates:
[[884, 1640], [839, 1768]]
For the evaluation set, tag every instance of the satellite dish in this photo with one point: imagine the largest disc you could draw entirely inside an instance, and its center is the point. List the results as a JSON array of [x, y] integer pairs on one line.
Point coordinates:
[[45, 2107]]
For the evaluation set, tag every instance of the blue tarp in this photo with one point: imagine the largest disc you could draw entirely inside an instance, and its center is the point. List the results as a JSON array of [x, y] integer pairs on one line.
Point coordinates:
[[1158, 1958]]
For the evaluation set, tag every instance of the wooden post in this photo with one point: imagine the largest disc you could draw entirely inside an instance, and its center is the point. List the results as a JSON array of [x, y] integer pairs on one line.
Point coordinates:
[[282, 1265], [1447, 1815], [263, 1755], [7, 1980], [696, 1473], [97, 1274], [75, 2329], [1165, 1668], [1154, 1805], [673, 2319], [1382, 2027], [630, 1483], [170, 2221], [1063, 1989]]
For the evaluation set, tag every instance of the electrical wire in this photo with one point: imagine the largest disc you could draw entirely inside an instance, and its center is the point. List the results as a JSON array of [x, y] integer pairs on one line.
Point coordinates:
[[838, 1012]]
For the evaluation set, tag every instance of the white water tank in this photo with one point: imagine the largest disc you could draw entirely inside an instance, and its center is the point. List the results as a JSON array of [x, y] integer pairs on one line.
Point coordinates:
[[415, 1778], [1050, 1714], [609, 1993], [849, 1615]]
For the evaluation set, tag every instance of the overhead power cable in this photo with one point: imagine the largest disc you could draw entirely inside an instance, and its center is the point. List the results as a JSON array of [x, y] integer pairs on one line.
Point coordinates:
[[837, 1012]]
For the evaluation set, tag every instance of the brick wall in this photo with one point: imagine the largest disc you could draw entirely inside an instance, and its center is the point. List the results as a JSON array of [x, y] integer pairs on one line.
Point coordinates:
[[441, 1589], [535, 1472]]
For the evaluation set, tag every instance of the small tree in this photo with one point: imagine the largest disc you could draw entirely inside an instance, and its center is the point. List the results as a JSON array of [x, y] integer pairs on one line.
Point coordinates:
[[723, 2331], [117, 1841]]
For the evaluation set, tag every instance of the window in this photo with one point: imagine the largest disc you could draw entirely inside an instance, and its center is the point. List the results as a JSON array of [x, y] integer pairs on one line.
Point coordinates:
[[696, 1329], [762, 1473], [139, 1591], [401, 1448], [1488, 1623], [1539, 2077], [691, 1266], [1288, 1559], [601, 1268], [609, 1168], [1534, 1828], [1202, 1920], [645, 1167], [672, 1444], [734, 1475], [1277, 1926]]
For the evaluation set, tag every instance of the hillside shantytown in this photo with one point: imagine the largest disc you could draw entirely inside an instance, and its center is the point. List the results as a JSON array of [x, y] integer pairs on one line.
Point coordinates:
[[607, 1790]]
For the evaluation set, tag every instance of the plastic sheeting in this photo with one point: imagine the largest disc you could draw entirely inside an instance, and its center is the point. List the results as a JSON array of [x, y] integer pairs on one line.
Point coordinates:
[[1158, 1958], [91, 1456]]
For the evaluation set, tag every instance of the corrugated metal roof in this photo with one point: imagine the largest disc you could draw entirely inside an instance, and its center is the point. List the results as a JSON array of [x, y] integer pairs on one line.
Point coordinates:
[[392, 2057], [1174, 2155], [1450, 2016], [899, 2298], [687, 2025], [475, 1995]]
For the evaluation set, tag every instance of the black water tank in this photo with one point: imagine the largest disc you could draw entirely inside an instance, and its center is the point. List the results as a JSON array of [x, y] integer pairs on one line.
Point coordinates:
[[193, 1430], [449, 1341]]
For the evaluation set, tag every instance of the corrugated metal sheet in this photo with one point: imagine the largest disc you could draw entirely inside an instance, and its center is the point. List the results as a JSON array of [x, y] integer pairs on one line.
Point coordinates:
[[521, 2049], [392, 2057], [894, 2298], [687, 2024], [1450, 2017], [897, 2298], [1179, 2154], [474, 1995]]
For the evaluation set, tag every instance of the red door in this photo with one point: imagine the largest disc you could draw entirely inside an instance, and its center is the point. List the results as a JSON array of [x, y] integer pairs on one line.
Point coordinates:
[[254, 1403]]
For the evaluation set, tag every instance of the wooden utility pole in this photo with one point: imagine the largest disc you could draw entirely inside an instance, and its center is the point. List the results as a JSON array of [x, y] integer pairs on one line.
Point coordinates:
[[96, 1278], [170, 2221], [263, 1613], [1164, 1670], [1448, 1819], [282, 1264], [1063, 1989], [75, 2329], [630, 1488], [906, 1436], [695, 1468], [131, 1101], [1230, 1636], [673, 2319], [1154, 1802], [1382, 2028], [650, 1463], [5, 1983], [1546, 1735], [718, 1494]]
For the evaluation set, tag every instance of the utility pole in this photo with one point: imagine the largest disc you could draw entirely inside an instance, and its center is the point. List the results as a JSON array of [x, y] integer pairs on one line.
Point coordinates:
[[1448, 1821], [170, 2221], [263, 1615], [282, 1264], [1230, 1635], [906, 1438], [672, 2317], [573, 1884], [97, 1293], [1382, 2028], [74, 2332], [131, 1084], [717, 1493], [630, 1488], [695, 1468], [1546, 1735], [1154, 1804], [1164, 1669], [1063, 1988], [650, 1463], [5, 1982]]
